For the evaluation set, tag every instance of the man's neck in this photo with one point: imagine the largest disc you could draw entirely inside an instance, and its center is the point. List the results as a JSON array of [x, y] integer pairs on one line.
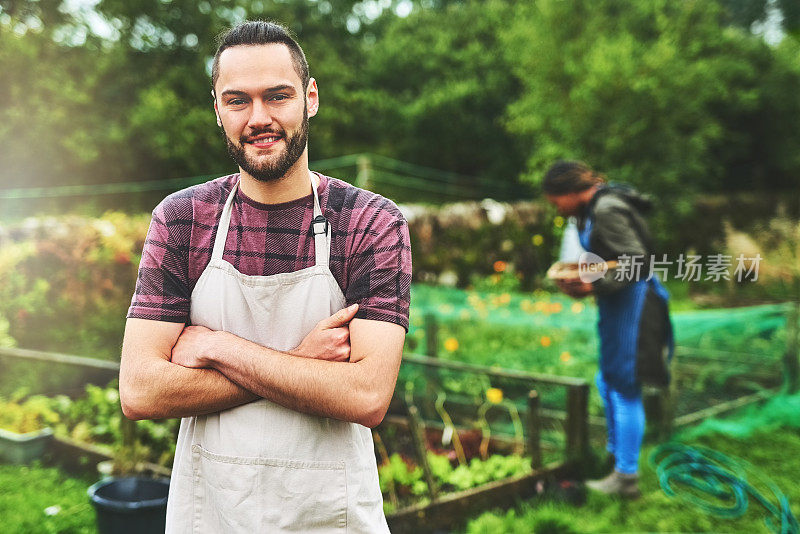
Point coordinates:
[[293, 185]]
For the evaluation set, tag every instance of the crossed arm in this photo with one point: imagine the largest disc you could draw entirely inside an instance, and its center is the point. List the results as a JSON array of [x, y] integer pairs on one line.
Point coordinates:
[[169, 371]]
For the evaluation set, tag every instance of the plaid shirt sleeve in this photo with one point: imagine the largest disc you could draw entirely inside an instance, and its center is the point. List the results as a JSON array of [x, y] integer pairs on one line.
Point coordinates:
[[379, 264], [162, 287]]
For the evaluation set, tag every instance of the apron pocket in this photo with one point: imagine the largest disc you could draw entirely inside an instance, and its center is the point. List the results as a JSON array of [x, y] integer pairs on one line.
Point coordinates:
[[253, 495]]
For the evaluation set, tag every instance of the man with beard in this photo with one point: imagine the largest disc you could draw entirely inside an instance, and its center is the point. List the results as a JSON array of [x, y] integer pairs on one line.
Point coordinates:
[[269, 314]]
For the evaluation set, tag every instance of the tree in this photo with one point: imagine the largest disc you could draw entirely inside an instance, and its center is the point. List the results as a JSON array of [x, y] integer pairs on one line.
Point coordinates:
[[439, 83], [660, 94], [136, 104]]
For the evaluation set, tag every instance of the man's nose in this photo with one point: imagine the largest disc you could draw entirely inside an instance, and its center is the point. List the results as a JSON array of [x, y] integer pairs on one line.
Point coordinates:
[[260, 115]]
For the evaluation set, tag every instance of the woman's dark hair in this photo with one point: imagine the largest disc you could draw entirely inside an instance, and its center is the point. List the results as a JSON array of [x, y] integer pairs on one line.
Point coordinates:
[[260, 32], [564, 177]]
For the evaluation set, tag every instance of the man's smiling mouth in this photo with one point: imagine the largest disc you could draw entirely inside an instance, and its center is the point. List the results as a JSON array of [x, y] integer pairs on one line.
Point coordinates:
[[264, 140]]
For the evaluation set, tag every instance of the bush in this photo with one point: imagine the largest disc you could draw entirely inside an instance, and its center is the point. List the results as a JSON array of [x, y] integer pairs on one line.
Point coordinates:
[[66, 283]]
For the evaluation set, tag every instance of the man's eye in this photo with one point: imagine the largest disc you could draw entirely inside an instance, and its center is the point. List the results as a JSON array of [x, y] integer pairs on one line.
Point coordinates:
[[236, 102], [278, 97]]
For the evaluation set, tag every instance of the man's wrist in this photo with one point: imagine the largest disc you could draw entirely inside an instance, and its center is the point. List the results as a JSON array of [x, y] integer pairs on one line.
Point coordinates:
[[214, 352]]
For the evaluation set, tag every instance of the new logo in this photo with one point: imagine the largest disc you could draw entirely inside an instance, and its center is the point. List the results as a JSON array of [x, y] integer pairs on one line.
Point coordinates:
[[591, 267]]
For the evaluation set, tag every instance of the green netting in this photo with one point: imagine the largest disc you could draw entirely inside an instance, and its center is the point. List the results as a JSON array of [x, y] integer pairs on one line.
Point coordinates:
[[781, 411], [722, 354], [546, 310]]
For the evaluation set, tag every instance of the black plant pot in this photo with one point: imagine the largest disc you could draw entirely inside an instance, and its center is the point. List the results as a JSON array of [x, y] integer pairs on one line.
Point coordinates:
[[130, 505]]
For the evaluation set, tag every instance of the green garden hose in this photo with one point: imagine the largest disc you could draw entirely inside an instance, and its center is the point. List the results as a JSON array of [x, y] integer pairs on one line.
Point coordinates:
[[718, 484]]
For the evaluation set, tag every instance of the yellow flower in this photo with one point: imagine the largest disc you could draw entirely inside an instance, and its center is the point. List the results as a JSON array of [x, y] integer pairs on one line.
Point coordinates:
[[494, 395], [546, 341], [537, 240], [577, 307], [451, 344], [556, 307], [558, 221], [505, 298], [565, 356]]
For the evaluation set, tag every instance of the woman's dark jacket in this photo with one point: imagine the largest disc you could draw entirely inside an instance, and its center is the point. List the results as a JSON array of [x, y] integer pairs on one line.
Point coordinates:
[[618, 228]]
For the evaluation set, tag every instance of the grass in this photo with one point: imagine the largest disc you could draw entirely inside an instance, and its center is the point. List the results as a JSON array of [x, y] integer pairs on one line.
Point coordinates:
[[775, 452], [27, 491]]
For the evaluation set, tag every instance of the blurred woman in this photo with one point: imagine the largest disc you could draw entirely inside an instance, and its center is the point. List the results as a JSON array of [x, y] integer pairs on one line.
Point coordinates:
[[634, 328]]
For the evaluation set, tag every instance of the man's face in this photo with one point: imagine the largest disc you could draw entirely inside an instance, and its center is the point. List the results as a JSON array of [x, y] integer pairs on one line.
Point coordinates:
[[261, 106]]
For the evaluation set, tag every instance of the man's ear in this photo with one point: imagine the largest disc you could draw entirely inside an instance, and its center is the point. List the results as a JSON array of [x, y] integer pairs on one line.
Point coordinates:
[[312, 97], [216, 109]]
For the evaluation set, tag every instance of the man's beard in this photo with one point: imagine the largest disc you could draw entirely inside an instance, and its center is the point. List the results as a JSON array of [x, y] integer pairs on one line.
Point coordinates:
[[271, 171]]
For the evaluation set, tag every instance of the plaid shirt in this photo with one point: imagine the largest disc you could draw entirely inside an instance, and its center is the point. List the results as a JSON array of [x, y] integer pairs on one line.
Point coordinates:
[[370, 247]]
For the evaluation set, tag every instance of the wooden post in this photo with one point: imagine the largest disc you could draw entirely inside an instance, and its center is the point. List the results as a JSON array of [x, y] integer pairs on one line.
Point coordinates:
[[128, 431], [534, 430], [418, 437], [431, 335], [577, 423], [364, 165], [384, 454]]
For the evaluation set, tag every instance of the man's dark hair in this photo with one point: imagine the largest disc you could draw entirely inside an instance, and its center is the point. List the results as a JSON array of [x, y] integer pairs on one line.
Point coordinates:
[[260, 32], [564, 177]]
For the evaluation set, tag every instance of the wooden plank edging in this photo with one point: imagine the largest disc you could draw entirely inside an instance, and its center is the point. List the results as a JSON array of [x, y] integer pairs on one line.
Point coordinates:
[[452, 509]]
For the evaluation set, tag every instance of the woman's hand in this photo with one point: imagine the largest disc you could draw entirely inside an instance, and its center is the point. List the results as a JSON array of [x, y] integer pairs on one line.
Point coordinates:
[[575, 287]]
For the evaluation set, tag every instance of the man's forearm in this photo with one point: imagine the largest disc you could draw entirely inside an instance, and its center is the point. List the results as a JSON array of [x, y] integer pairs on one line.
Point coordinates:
[[340, 390], [161, 389]]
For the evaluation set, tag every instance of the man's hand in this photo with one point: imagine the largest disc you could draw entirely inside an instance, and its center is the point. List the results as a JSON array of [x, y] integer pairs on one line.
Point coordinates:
[[150, 387], [192, 347], [575, 288], [330, 338]]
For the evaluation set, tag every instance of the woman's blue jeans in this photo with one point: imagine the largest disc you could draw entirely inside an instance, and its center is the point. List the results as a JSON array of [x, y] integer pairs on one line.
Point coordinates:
[[625, 423]]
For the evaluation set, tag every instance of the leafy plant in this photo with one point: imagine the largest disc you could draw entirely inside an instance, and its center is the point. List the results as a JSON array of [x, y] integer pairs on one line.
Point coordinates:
[[28, 415], [97, 418], [408, 478], [68, 282]]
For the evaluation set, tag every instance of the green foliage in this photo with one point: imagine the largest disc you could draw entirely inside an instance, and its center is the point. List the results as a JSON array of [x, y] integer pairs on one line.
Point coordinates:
[[479, 472], [96, 418], [67, 283], [672, 95], [27, 493], [403, 475], [462, 243], [29, 415], [659, 94], [724, 353], [545, 521], [767, 448], [442, 84], [5, 339], [408, 481]]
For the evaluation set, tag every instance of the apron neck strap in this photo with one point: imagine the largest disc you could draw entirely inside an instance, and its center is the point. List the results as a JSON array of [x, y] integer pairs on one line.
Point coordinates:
[[320, 227], [224, 224]]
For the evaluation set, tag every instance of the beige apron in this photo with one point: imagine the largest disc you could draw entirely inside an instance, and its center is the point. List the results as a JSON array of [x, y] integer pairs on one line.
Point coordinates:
[[260, 467]]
